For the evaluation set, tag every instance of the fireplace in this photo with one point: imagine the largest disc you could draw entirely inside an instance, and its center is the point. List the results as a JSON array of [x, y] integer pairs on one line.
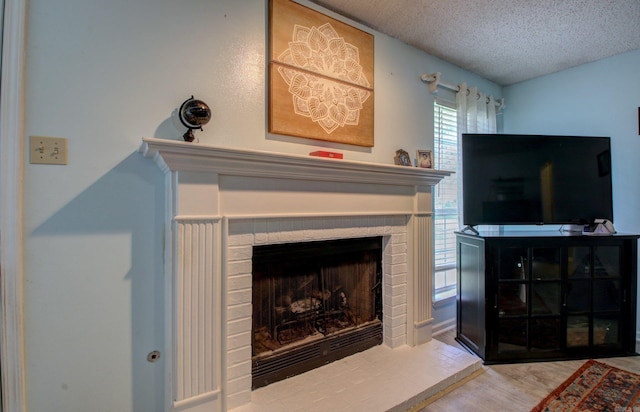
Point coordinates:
[[313, 303], [224, 204]]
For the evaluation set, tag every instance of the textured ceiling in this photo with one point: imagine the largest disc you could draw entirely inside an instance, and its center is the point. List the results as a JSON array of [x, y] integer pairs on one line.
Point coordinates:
[[506, 41]]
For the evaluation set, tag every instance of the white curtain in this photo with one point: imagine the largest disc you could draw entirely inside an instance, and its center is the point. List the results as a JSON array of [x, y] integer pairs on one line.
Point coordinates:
[[476, 114]]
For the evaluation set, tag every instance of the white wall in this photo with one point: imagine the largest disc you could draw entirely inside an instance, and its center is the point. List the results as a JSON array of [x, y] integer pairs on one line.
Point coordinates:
[[104, 74], [597, 99]]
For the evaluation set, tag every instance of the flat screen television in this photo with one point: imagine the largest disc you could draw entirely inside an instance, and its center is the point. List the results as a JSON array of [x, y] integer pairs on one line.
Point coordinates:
[[531, 179]]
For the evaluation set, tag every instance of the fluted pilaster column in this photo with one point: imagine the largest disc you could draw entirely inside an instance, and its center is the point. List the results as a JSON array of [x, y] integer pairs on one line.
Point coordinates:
[[422, 264], [423, 277]]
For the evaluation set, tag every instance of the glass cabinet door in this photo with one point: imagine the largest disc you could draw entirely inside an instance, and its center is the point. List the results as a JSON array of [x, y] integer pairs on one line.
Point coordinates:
[[607, 296], [546, 303], [512, 298], [529, 291], [513, 275], [546, 277], [594, 296]]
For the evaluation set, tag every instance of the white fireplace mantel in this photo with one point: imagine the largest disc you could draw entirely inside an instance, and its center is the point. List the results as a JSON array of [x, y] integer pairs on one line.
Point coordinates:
[[173, 155], [215, 194]]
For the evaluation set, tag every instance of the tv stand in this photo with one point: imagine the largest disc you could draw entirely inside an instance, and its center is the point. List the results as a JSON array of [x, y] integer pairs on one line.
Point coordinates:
[[527, 296]]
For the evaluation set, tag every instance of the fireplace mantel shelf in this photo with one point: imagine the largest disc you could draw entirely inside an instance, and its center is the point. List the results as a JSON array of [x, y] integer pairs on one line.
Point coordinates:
[[173, 155]]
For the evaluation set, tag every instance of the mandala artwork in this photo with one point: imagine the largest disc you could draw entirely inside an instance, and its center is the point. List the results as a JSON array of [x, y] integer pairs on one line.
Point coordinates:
[[330, 103], [321, 76]]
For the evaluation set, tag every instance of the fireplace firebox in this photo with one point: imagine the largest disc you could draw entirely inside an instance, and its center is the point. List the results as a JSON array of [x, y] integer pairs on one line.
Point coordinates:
[[313, 303]]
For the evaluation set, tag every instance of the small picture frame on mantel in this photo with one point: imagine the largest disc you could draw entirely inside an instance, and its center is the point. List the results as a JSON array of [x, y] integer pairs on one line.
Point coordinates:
[[402, 158], [424, 159]]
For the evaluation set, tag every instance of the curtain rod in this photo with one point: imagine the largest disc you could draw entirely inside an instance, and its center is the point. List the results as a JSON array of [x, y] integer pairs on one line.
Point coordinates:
[[433, 80]]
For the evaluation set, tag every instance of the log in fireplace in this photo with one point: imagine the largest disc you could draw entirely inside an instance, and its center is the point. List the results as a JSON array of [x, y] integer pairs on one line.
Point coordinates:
[[313, 303]]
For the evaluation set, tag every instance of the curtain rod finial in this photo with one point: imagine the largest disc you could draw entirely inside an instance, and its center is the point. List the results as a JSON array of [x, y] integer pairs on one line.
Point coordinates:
[[432, 80]]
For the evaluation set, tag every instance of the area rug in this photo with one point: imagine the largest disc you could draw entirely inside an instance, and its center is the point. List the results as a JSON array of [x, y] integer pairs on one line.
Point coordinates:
[[595, 387]]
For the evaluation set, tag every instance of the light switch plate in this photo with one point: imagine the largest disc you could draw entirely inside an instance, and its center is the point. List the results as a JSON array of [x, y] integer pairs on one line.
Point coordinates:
[[48, 150]]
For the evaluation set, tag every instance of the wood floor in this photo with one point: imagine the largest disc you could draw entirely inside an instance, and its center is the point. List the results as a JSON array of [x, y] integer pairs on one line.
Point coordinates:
[[510, 387]]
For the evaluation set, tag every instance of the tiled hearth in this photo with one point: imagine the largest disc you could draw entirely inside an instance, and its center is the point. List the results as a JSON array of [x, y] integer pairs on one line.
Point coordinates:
[[221, 203], [379, 379]]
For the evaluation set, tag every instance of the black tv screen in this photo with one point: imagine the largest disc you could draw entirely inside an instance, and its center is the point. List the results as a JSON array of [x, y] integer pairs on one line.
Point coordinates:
[[531, 179]]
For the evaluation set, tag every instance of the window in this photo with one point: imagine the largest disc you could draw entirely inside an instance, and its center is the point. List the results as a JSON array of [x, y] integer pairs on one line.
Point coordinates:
[[445, 154]]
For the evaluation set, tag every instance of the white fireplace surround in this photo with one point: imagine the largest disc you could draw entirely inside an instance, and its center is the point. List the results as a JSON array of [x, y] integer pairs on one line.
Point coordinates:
[[221, 202]]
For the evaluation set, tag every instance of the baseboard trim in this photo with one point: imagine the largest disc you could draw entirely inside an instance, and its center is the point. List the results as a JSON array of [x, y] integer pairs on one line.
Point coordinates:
[[444, 326]]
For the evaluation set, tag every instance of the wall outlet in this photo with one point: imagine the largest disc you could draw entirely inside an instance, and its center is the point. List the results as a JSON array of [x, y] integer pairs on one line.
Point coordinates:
[[48, 150]]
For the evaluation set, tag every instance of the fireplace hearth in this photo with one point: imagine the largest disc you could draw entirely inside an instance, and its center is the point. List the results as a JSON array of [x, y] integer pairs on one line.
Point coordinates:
[[313, 303]]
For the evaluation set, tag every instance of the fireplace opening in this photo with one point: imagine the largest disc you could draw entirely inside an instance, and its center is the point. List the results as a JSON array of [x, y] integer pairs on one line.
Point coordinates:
[[314, 303]]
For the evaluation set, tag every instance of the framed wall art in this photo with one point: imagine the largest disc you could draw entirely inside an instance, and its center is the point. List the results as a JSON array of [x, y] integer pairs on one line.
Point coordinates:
[[320, 76]]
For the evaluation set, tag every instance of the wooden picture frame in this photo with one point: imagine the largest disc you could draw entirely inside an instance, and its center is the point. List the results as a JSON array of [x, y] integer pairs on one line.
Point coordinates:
[[424, 159], [320, 76], [402, 158]]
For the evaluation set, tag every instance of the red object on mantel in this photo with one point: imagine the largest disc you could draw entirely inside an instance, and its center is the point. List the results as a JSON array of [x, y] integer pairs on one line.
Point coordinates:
[[322, 153]]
